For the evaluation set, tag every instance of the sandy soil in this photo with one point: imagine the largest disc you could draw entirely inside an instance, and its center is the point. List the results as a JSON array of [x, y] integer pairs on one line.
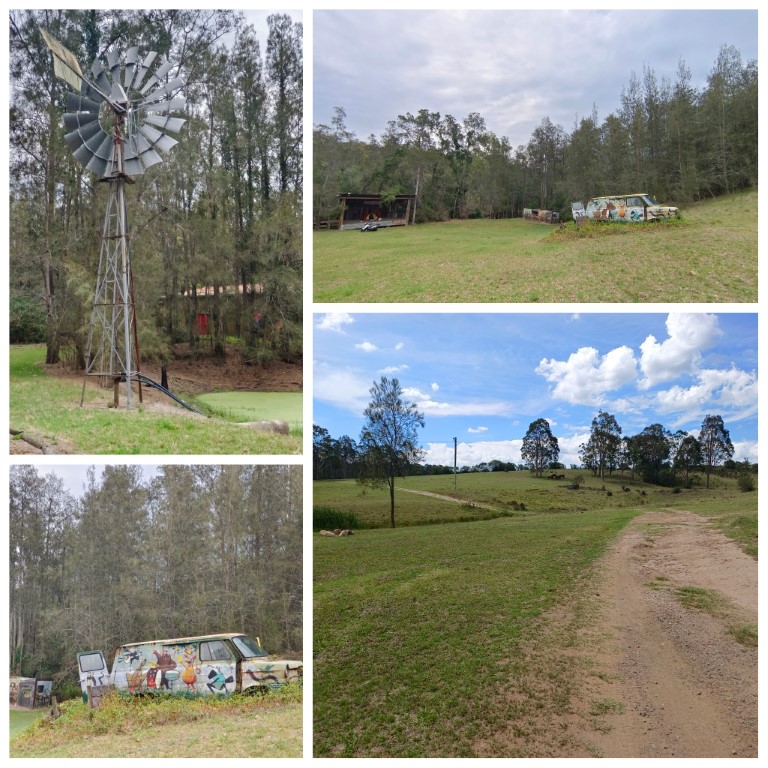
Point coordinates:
[[688, 689], [191, 373]]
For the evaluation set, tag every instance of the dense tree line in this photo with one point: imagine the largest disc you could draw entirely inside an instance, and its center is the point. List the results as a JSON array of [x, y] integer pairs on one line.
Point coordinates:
[[223, 211], [195, 550], [666, 138], [654, 455]]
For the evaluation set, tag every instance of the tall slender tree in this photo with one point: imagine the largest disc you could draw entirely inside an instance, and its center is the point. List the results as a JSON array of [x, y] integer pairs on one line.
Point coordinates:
[[389, 439], [714, 442]]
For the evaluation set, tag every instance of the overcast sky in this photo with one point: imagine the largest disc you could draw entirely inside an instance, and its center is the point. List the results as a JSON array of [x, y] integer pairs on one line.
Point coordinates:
[[74, 475], [483, 378], [513, 67]]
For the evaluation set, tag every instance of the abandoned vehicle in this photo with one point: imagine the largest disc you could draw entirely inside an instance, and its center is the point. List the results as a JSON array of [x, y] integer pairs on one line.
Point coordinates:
[[206, 665], [633, 208]]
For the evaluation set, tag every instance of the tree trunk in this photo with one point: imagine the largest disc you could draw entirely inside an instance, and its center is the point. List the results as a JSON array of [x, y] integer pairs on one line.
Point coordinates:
[[391, 502]]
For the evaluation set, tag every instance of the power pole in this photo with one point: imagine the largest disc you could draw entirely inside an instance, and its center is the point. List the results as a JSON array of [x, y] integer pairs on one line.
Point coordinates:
[[454, 465]]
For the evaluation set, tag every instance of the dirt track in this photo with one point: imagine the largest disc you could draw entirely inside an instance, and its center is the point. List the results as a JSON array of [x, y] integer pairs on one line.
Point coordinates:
[[687, 688]]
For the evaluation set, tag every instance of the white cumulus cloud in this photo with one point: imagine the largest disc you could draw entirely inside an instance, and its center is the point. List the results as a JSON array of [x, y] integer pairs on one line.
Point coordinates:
[[680, 353], [334, 321], [477, 430], [366, 346], [586, 376]]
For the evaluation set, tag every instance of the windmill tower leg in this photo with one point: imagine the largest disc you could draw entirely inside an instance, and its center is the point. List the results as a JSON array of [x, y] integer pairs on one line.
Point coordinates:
[[110, 351]]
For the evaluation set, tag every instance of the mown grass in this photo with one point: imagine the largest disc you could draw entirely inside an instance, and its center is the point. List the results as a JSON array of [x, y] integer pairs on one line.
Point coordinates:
[[710, 257], [21, 720], [49, 408], [419, 631], [456, 640], [235, 726], [484, 496]]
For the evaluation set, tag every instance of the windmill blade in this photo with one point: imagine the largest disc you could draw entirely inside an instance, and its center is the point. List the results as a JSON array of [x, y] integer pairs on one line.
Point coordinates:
[[172, 124], [77, 138], [131, 57], [161, 72], [102, 157], [174, 105], [77, 103], [100, 76], [96, 153], [177, 82], [75, 120], [143, 69], [146, 153], [90, 91], [158, 140], [113, 62]]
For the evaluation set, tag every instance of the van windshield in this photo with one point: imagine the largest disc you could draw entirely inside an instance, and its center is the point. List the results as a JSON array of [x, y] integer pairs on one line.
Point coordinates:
[[650, 200], [248, 647]]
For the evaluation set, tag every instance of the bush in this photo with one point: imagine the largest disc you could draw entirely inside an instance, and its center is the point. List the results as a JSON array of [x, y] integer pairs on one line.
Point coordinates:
[[324, 518], [27, 320], [746, 482]]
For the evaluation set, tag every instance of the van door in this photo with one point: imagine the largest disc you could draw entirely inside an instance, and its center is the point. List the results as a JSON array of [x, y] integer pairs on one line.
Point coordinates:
[[219, 668], [635, 209], [92, 670]]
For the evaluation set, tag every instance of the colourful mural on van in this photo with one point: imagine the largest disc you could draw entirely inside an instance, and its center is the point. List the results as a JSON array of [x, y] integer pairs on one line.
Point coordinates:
[[205, 665], [637, 207]]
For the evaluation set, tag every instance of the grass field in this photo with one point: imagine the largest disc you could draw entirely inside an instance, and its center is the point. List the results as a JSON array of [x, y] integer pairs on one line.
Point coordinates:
[[430, 638], [49, 408], [711, 256], [257, 406], [242, 727], [20, 720]]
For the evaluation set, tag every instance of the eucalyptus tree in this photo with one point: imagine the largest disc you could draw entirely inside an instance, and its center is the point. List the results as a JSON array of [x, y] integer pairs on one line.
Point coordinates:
[[651, 448], [604, 444], [540, 446], [389, 440], [714, 442], [687, 456]]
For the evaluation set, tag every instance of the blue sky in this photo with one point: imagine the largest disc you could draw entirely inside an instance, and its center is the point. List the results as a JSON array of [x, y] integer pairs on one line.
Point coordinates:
[[483, 378], [514, 66]]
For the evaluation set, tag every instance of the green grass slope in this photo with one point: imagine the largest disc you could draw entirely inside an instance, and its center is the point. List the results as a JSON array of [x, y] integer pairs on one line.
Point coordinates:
[[49, 408], [711, 256], [429, 639]]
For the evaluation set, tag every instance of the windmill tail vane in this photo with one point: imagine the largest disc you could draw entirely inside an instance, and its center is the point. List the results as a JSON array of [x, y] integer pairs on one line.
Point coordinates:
[[117, 124]]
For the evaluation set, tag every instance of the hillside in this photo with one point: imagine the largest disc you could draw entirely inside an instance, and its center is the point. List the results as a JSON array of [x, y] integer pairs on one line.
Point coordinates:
[[708, 256]]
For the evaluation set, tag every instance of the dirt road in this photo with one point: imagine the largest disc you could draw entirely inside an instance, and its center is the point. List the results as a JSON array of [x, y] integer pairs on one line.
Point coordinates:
[[672, 681]]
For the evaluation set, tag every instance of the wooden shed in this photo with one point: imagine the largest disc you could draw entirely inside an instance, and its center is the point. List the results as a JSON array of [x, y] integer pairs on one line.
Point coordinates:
[[359, 210]]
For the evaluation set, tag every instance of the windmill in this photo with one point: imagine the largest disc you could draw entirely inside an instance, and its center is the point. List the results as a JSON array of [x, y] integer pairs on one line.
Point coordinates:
[[117, 121]]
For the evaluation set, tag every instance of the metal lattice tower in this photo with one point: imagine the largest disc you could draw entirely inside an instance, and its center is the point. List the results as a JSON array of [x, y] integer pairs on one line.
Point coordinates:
[[116, 123]]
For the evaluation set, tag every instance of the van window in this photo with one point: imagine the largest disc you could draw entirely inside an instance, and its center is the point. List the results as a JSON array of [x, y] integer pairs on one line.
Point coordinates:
[[634, 202], [91, 662], [214, 650], [248, 647]]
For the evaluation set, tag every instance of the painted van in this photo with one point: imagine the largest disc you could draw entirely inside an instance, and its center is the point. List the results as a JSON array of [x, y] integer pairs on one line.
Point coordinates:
[[206, 665], [636, 207]]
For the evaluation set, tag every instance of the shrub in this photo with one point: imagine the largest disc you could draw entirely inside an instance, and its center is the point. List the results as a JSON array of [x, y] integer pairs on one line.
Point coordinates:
[[746, 482], [328, 519]]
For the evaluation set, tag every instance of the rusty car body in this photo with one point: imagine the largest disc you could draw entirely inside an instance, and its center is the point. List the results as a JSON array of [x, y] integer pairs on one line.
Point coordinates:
[[207, 665], [541, 216]]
